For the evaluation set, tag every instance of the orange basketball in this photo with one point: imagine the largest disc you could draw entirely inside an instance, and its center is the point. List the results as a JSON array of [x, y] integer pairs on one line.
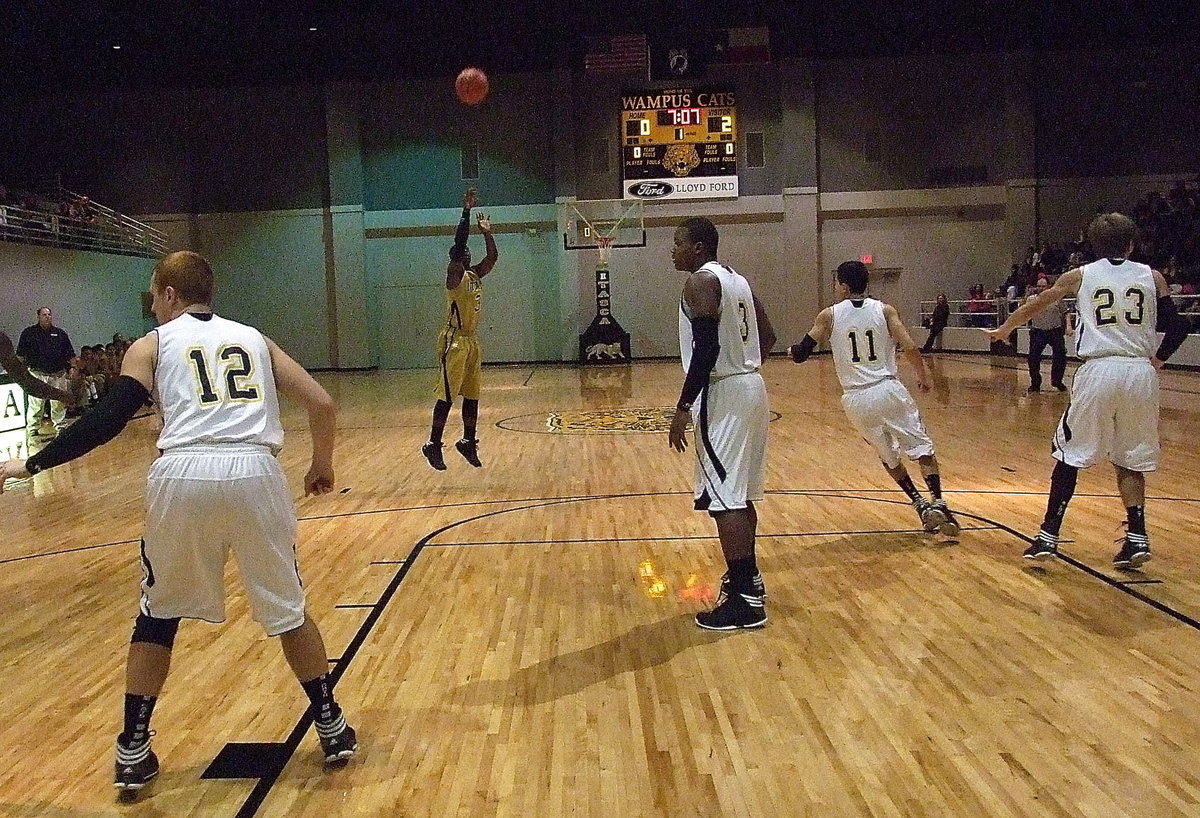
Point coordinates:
[[471, 86]]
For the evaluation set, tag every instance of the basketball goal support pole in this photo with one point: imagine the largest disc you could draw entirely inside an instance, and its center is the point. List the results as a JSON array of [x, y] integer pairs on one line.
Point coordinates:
[[604, 341]]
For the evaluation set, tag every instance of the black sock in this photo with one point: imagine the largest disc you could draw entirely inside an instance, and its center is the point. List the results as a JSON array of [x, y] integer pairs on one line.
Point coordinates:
[[742, 573], [1137, 519], [320, 693], [441, 411], [1062, 488], [906, 484], [138, 710], [470, 410], [934, 481]]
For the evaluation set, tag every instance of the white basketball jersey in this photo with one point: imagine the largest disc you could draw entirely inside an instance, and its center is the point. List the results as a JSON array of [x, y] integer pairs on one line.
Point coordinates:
[[214, 384], [863, 350], [737, 326], [1118, 310]]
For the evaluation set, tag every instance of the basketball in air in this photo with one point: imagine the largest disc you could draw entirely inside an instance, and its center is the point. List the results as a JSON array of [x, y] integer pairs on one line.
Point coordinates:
[[471, 86]]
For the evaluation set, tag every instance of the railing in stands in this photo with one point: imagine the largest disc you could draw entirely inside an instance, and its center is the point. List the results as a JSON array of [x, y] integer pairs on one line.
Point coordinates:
[[107, 232], [990, 312]]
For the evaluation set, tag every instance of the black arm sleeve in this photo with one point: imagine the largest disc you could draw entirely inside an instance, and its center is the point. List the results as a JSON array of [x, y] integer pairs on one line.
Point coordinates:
[[96, 427], [802, 350], [1174, 326], [460, 234], [705, 348]]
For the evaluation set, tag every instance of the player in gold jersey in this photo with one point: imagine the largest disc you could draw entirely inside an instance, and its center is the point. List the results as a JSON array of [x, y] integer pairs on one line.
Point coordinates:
[[459, 353]]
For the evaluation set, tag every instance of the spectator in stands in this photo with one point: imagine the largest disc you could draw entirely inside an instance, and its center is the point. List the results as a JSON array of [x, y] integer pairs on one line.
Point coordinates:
[[993, 300], [976, 306], [937, 322], [46, 350], [89, 366], [78, 386], [982, 307], [1191, 306], [1011, 288]]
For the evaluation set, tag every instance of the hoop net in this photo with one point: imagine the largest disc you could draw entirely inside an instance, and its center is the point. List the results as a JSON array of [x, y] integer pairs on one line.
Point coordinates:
[[605, 244]]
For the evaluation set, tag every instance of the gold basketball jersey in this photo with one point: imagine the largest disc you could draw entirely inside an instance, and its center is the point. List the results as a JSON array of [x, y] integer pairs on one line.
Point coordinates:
[[464, 303]]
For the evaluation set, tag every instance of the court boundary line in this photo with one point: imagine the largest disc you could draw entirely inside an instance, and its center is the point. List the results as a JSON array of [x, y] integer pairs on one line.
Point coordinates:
[[974, 358], [264, 786], [693, 537], [835, 492], [262, 789]]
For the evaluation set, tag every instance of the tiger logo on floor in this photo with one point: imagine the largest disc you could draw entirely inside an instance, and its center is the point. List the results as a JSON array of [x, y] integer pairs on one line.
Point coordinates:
[[652, 419]]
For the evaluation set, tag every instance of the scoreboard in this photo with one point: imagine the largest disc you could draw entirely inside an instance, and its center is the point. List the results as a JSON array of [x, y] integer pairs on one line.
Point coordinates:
[[679, 144]]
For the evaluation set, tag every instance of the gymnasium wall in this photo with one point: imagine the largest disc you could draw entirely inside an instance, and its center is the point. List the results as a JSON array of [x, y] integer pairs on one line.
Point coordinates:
[[327, 210], [920, 246], [916, 122], [413, 134], [405, 260], [170, 150], [72, 283], [1118, 112]]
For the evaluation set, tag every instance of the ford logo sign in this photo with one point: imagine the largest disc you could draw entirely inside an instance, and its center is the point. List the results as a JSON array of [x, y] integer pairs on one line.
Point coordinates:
[[651, 190]]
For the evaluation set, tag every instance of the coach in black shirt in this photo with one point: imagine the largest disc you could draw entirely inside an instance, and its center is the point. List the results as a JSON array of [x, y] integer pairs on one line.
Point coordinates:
[[47, 351]]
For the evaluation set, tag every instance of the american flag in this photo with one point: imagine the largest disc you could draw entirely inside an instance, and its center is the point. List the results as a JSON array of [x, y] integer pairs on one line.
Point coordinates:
[[624, 52]]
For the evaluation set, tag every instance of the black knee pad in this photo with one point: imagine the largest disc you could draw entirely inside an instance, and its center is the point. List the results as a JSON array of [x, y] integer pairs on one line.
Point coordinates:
[[155, 631]]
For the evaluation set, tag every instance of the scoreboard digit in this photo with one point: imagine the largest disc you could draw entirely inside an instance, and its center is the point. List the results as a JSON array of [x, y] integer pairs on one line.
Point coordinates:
[[679, 144]]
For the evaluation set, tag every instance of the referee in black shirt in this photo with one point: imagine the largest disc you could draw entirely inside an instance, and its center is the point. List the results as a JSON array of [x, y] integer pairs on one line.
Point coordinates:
[[47, 351]]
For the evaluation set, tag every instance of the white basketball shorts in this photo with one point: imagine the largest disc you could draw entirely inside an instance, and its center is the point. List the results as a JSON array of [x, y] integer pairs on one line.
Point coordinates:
[[730, 420], [887, 418], [203, 502], [1113, 414]]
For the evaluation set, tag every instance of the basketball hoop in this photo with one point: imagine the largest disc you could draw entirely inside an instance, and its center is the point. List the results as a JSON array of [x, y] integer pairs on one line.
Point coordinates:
[[605, 244]]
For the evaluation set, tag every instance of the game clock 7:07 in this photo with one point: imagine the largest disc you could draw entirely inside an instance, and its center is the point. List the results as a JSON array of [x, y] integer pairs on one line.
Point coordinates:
[[679, 143]]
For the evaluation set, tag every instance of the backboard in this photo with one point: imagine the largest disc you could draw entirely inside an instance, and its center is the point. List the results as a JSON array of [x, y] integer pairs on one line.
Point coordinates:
[[584, 221]]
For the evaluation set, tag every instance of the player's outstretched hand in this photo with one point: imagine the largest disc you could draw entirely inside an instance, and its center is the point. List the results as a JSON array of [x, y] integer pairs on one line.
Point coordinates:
[[12, 470], [319, 480], [997, 334], [678, 434], [1156, 363], [470, 198], [485, 223]]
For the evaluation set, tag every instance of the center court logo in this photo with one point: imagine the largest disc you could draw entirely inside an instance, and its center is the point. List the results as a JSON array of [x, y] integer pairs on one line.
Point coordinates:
[[651, 190], [654, 419]]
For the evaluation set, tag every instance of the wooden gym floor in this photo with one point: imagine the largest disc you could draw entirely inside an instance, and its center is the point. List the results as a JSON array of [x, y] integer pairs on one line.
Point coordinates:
[[518, 639]]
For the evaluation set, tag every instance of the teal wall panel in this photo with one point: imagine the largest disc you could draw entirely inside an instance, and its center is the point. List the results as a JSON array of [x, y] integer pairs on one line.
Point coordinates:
[[269, 270], [93, 295], [405, 259], [413, 134]]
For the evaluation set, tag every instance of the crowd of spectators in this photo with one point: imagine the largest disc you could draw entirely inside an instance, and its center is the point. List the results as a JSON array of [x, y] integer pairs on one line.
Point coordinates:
[[1169, 231], [93, 371], [1168, 240], [40, 218]]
